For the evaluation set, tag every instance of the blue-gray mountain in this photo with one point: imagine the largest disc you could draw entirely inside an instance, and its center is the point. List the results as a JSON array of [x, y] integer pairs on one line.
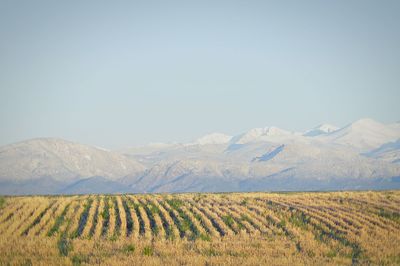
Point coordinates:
[[362, 155]]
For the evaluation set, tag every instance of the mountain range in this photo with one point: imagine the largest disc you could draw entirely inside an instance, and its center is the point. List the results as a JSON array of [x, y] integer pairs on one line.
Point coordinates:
[[362, 155]]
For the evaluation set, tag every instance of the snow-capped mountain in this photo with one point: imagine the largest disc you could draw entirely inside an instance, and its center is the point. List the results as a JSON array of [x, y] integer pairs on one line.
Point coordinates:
[[320, 130], [62, 162], [364, 135], [262, 135], [362, 155]]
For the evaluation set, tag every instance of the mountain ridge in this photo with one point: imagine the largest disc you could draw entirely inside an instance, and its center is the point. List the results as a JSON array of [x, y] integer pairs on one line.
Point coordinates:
[[270, 157]]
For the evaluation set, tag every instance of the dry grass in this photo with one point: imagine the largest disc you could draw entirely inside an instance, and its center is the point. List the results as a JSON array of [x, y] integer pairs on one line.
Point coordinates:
[[338, 228]]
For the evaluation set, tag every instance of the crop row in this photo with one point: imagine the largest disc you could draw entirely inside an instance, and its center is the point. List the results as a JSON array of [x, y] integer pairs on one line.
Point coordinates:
[[338, 224]]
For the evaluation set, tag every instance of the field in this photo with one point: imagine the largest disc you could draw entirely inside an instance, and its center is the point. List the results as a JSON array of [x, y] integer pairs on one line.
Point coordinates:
[[336, 228]]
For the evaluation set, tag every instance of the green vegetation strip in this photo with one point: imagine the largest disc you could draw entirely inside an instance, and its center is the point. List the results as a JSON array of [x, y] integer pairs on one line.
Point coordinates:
[[83, 219], [129, 220], [117, 218], [59, 221], [106, 216], [150, 215], [95, 218], [2, 201], [140, 218]]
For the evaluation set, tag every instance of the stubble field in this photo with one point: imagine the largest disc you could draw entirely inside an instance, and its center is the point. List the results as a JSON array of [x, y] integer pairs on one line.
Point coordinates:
[[336, 228]]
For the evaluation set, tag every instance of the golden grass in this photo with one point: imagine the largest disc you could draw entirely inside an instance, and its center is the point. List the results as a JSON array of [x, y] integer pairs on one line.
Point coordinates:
[[336, 228]]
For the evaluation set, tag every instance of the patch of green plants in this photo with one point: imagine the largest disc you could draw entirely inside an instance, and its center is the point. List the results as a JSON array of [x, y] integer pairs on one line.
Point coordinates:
[[205, 237], [197, 216], [299, 219], [175, 203], [236, 254], [148, 251], [79, 259], [228, 220], [2, 201], [246, 218], [153, 208], [114, 237], [331, 254], [130, 248], [211, 252]]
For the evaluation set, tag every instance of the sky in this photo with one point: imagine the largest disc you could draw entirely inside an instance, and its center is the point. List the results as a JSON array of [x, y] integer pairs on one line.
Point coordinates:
[[117, 74]]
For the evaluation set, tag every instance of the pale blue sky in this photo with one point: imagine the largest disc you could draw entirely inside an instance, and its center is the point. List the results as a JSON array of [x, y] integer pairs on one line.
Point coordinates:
[[123, 73]]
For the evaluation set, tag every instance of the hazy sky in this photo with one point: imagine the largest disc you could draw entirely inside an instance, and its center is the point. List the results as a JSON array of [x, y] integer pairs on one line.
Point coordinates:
[[116, 73]]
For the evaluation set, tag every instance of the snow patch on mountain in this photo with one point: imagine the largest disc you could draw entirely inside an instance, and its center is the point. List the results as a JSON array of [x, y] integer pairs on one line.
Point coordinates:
[[213, 138], [389, 152], [320, 130], [263, 134]]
